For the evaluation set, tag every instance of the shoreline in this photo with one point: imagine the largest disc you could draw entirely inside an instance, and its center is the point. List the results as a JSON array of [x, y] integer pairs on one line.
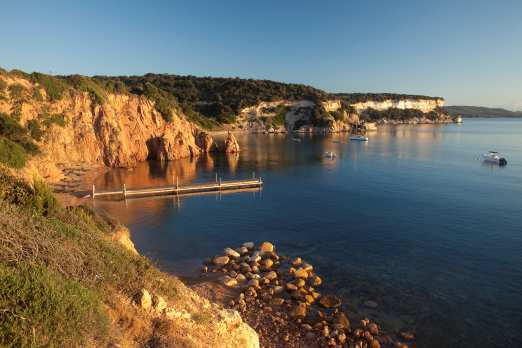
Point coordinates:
[[268, 288]]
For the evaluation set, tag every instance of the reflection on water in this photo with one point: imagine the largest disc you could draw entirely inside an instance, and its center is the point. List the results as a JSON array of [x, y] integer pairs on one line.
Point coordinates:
[[410, 219]]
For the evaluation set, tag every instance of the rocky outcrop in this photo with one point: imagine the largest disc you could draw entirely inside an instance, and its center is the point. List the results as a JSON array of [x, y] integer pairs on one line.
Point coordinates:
[[230, 145], [121, 131], [204, 324], [299, 114]]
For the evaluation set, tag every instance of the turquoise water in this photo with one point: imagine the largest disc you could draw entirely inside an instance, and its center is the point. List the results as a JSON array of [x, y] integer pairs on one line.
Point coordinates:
[[411, 220]]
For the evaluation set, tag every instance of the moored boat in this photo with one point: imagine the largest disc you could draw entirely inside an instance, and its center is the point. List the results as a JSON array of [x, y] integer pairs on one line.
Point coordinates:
[[494, 157], [359, 137]]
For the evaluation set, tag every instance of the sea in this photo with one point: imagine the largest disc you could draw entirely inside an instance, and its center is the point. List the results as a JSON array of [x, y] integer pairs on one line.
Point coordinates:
[[411, 220]]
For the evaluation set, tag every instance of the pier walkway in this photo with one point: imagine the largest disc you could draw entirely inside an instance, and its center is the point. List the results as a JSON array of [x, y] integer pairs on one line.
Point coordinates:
[[216, 186]]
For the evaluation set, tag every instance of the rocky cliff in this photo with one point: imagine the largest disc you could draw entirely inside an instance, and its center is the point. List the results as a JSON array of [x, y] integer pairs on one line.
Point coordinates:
[[120, 131], [424, 105], [338, 115]]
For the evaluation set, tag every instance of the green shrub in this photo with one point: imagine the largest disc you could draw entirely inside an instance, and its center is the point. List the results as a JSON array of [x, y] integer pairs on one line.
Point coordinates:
[[43, 200], [88, 85], [54, 86], [3, 85], [17, 91], [20, 74], [44, 309], [58, 119], [38, 199], [280, 117], [35, 130], [11, 129], [37, 95], [11, 153]]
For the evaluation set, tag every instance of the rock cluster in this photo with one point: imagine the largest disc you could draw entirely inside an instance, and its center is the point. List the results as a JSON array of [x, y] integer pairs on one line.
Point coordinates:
[[278, 296]]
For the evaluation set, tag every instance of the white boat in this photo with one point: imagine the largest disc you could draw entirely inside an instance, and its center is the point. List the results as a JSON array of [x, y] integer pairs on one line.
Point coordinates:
[[494, 157], [359, 137], [329, 154]]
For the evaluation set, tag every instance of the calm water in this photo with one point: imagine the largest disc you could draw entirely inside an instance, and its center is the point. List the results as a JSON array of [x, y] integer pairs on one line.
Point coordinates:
[[411, 220]]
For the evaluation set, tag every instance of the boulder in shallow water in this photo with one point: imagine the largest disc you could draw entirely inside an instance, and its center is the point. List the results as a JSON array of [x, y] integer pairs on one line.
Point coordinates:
[[230, 145], [220, 260], [229, 281], [248, 245], [301, 273], [266, 247], [330, 301], [231, 253]]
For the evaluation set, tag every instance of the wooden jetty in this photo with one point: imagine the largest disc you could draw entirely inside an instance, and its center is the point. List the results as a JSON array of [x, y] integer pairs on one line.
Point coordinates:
[[216, 186]]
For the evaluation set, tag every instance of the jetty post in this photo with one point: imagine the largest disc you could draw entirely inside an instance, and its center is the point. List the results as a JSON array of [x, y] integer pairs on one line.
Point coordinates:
[[92, 194], [124, 191]]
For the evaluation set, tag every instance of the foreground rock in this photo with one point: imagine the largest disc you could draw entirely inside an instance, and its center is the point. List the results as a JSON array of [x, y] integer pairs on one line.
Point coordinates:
[[281, 302]]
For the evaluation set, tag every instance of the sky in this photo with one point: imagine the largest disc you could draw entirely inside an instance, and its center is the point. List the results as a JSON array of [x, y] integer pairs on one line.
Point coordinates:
[[467, 51]]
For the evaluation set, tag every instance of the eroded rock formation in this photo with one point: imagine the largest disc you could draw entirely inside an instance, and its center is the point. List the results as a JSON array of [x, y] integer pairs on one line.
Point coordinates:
[[119, 132]]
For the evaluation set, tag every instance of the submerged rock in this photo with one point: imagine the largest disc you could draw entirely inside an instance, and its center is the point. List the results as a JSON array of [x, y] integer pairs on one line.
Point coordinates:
[[330, 301], [231, 252], [220, 260]]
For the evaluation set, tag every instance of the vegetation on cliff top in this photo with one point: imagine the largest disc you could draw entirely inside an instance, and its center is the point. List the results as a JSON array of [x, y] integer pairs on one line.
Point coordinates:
[[207, 101], [364, 97]]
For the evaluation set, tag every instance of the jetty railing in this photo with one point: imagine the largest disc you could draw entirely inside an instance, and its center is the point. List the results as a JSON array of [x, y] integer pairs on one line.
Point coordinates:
[[216, 186]]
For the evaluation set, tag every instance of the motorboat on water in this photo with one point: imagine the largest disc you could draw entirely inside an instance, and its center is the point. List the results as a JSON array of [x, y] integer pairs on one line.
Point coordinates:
[[329, 154], [493, 157], [359, 137]]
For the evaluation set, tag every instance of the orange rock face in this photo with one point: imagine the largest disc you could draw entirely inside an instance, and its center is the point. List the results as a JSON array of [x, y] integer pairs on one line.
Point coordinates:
[[231, 145], [120, 132]]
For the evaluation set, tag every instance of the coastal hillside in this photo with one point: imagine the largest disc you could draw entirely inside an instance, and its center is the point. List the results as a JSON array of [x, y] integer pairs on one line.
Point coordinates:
[[480, 111], [170, 106], [57, 123], [72, 278], [49, 124]]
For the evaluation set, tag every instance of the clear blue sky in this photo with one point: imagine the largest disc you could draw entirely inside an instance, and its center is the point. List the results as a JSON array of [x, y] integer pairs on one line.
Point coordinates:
[[469, 52]]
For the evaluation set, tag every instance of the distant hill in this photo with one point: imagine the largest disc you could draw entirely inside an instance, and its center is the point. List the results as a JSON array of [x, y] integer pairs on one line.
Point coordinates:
[[480, 111]]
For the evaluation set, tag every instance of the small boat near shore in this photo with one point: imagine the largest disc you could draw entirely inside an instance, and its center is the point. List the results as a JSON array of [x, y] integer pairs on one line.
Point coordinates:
[[359, 137], [493, 157], [329, 154]]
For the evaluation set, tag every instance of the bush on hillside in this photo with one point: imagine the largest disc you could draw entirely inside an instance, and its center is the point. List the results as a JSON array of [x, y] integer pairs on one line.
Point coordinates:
[[38, 199], [11, 130], [86, 84], [17, 91], [35, 130], [12, 154], [54, 86], [58, 119], [41, 308]]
